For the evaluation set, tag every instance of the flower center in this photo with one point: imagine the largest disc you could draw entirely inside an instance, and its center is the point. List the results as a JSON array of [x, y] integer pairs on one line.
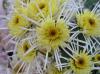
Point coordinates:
[[92, 22], [52, 32], [25, 48], [98, 58], [17, 20], [80, 63], [41, 6]]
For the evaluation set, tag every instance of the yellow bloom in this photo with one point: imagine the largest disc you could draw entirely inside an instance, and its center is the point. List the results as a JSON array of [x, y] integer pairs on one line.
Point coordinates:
[[52, 33], [44, 6], [82, 64], [53, 70], [15, 24], [97, 57], [89, 22], [22, 49]]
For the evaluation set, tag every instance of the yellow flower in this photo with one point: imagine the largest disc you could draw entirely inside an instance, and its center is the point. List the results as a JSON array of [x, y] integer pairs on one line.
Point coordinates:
[[89, 22], [82, 64], [97, 57], [44, 6], [15, 25], [22, 49], [52, 33], [53, 70]]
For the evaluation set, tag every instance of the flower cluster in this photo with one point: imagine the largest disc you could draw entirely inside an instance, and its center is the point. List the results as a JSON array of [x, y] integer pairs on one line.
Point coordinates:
[[54, 37]]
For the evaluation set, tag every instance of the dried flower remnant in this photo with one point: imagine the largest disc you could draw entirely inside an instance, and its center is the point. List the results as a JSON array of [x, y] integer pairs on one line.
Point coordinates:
[[22, 52]]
